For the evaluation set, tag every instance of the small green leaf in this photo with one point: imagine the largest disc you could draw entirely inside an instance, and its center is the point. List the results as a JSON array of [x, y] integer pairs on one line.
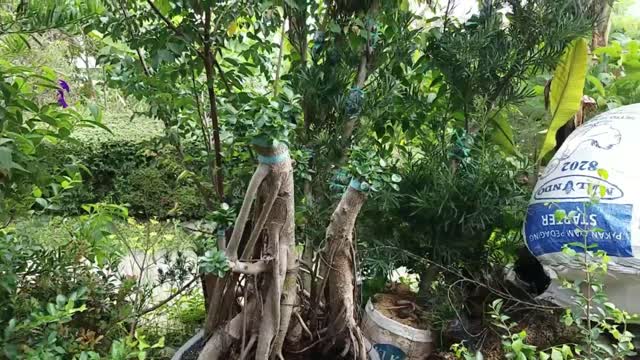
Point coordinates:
[[185, 174], [96, 112], [42, 202], [559, 215], [556, 355], [334, 27], [517, 346]]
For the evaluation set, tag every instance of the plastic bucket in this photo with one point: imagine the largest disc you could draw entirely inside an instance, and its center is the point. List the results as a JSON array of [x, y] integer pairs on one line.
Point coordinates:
[[392, 340]]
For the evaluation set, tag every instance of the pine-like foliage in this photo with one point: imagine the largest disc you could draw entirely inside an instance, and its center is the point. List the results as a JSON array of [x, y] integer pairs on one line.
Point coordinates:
[[497, 51]]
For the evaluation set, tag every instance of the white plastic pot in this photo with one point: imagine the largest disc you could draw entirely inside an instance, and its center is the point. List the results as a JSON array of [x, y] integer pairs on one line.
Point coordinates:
[[392, 340]]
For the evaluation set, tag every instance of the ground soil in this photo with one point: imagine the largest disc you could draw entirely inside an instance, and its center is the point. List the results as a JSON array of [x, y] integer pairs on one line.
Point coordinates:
[[399, 304]]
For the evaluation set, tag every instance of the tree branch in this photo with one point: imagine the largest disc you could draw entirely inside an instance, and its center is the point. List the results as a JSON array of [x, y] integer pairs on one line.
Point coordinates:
[[249, 268], [145, 69], [168, 299], [164, 18], [224, 79], [209, 60]]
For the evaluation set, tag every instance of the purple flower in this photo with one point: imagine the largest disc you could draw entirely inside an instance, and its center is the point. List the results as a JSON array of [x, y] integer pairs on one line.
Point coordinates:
[[64, 85], [61, 100]]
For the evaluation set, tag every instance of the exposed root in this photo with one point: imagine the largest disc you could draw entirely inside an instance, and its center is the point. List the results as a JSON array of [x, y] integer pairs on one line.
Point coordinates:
[[247, 349], [220, 342], [287, 303], [241, 221], [340, 275]]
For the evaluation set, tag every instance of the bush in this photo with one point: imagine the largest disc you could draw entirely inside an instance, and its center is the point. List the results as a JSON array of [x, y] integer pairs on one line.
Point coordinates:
[[146, 191], [143, 175], [54, 304], [447, 216], [61, 293]]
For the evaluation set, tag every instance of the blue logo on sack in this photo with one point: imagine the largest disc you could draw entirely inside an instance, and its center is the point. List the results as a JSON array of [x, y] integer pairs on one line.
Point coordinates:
[[545, 234], [389, 352], [575, 187]]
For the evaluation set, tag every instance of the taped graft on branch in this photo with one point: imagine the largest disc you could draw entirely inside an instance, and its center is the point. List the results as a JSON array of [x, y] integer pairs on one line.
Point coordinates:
[[340, 274]]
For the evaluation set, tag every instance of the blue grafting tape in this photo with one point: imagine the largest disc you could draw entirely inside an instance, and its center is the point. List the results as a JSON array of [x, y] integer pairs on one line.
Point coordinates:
[[355, 184], [274, 159], [357, 89]]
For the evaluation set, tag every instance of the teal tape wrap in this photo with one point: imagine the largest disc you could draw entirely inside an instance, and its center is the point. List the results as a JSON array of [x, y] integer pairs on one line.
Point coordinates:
[[355, 184], [275, 159]]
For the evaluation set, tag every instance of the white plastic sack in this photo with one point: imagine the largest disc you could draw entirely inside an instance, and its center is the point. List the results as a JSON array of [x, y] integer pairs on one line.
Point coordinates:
[[610, 141]]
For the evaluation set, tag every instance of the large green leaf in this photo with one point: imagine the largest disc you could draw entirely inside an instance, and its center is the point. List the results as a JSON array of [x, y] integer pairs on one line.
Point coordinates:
[[566, 91], [503, 132]]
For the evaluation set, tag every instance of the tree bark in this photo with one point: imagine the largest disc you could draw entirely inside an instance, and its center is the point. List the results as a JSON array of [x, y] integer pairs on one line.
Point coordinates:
[[275, 268], [601, 30], [213, 108], [341, 277]]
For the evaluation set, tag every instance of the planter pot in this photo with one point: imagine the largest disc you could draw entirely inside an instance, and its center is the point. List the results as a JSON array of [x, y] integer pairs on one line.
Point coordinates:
[[393, 340], [387, 339], [190, 349]]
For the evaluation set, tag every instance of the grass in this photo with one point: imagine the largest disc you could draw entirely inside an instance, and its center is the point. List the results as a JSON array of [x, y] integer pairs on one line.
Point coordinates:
[[126, 126], [55, 231]]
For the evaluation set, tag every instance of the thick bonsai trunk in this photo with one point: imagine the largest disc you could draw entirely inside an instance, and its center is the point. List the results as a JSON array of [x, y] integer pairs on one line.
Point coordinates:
[[273, 269], [340, 277]]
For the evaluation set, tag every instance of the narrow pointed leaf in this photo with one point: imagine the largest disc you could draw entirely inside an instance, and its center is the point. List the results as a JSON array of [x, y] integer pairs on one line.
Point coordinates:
[[566, 91]]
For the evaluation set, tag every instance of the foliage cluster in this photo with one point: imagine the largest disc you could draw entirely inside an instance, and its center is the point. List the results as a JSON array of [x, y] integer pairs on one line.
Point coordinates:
[[144, 175], [66, 297], [432, 108]]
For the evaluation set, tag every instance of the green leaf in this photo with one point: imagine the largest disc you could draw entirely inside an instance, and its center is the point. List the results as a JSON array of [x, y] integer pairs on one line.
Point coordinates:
[[6, 160], [566, 91], [185, 174], [517, 346], [543, 355], [503, 133], [603, 174], [163, 5], [98, 124], [96, 112], [559, 215], [42, 202], [556, 355], [396, 178], [596, 84]]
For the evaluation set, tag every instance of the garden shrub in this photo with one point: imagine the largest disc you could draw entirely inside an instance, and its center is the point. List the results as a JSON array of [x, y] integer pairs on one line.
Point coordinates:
[[450, 217], [143, 175], [146, 191]]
